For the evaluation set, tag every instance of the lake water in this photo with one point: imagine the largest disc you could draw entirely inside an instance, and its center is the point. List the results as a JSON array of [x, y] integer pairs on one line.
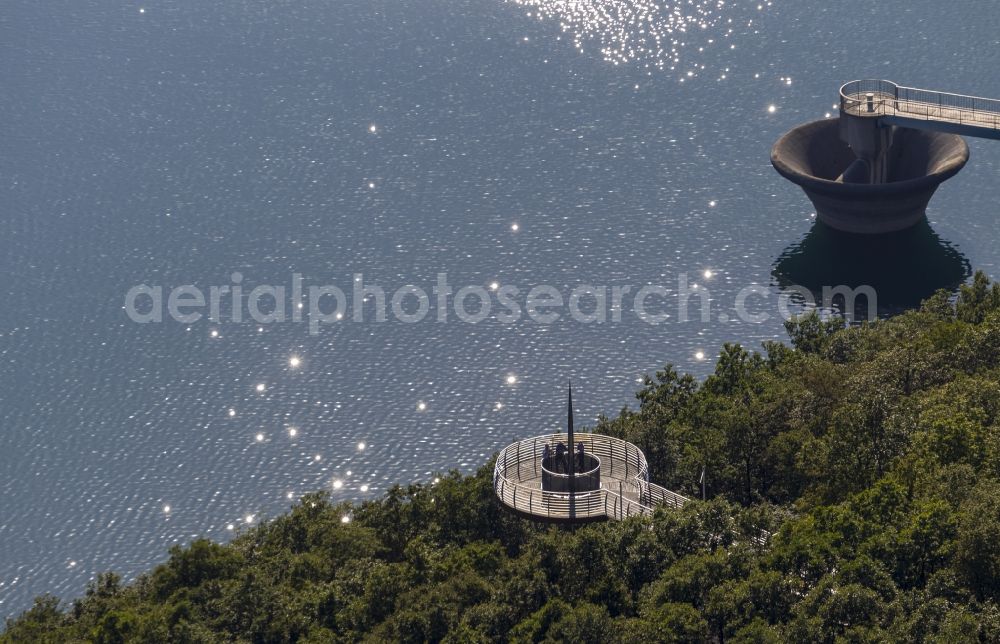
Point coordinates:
[[176, 143]]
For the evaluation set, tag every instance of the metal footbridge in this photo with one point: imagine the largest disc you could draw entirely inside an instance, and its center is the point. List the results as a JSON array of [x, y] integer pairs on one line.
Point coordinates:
[[921, 109]]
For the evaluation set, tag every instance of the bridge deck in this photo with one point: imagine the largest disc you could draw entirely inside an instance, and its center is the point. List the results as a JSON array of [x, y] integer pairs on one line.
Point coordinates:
[[922, 109]]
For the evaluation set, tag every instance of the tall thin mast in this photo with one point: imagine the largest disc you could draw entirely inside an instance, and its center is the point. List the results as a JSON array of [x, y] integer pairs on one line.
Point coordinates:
[[572, 444]]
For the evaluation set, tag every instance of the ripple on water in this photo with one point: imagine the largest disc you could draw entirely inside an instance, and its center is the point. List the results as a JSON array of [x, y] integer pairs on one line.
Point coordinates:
[[236, 145]]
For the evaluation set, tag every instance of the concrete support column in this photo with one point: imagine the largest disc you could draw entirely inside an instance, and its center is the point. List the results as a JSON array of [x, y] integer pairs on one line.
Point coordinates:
[[869, 141]]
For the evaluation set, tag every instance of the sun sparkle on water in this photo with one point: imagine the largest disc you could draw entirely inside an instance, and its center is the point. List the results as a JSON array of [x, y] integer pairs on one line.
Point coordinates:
[[654, 33]]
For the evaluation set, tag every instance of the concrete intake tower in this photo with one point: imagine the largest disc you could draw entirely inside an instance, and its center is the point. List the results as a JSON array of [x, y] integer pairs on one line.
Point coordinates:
[[875, 167]]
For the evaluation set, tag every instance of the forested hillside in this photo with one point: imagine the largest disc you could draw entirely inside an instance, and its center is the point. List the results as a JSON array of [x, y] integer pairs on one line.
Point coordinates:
[[871, 453]]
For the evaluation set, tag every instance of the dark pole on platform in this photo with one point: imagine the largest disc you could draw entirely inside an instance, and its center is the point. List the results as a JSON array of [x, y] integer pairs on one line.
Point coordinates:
[[572, 456]]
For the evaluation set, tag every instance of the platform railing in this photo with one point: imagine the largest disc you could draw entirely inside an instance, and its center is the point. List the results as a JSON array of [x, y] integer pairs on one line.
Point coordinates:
[[626, 490], [619, 459], [543, 503], [617, 499], [881, 98]]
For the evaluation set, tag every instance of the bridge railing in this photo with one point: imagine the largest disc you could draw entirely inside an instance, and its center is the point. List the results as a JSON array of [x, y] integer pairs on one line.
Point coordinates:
[[619, 507], [949, 101], [662, 496], [874, 98]]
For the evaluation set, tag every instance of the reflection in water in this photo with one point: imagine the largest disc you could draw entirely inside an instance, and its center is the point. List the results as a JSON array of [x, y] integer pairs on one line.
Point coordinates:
[[903, 268], [655, 32]]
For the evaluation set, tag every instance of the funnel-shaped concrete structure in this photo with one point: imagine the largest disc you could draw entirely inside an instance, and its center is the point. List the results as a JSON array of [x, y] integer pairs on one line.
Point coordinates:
[[839, 183]]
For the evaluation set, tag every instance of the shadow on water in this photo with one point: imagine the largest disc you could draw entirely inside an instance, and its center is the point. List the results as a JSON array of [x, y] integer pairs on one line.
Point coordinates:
[[903, 268]]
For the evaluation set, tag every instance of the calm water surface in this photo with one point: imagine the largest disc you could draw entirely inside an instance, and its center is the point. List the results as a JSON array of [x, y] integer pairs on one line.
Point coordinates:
[[176, 142]]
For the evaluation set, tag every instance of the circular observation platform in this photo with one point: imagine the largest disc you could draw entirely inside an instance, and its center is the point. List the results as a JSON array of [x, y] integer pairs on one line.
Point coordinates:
[[869, 98], [611, 481]]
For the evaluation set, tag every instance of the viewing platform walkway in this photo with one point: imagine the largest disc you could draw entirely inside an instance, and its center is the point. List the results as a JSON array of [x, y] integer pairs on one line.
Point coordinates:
[[921, 109], [624, 491]]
